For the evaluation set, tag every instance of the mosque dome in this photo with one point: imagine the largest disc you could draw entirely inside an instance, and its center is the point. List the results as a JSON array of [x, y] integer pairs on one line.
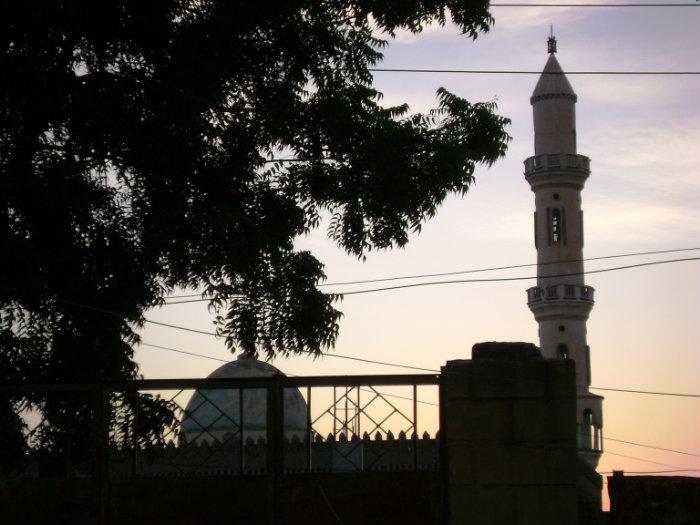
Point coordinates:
[[213, 414]]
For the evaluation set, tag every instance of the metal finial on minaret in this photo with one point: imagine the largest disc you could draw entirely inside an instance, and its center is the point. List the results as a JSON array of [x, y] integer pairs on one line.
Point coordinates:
[[551, 41]]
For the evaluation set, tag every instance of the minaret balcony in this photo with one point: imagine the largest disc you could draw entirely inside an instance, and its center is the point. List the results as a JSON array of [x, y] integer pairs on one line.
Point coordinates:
[[557, 161], [560, 292], [557, 170]]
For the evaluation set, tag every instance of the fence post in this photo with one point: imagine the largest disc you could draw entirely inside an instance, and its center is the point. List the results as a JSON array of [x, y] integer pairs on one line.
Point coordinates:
[[135, 436], [101, 452], [275, 436], [241, 459], [308, 429], [442, 453], [415, 427]]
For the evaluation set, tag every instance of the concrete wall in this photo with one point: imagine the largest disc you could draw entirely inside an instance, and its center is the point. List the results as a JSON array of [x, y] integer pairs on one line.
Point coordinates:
[[309, 499], [654, 500], [510, 427]]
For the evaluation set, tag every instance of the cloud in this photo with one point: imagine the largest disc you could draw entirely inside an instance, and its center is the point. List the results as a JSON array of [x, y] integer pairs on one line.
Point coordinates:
[[630, 92], [644, 184], [622, 91], [433, 30], [642, 221], [662, 157], [506, 18], [519, 18]]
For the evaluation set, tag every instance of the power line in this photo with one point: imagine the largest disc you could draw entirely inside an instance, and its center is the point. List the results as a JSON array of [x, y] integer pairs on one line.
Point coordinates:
[[325, 354], [606, 389], [384, 363], [539, 265], [479, 270], [505, 279], [493, 280], [125, 316], [642, 459], [435, 371], [194, 354], [381, 363], [510, 4], [653, 471], [649, 392], [529, 72], [606, 438]]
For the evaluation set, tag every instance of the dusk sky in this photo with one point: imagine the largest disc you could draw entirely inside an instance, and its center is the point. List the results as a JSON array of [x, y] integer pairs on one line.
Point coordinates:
[[642, 135]]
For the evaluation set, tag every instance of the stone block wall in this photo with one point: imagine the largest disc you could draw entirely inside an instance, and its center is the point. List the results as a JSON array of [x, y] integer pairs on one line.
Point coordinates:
[[510, 427]]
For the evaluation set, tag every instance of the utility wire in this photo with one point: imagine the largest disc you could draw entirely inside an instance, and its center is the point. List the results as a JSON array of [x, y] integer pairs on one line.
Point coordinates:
[[642, 459], [530, 72], [643, 445], [504, 279], [606, 438], [630, 391], [479, 270], [434, 371], [511, 4], [492, 280], [653, 471], [128, 317], [384, 363], [539, 265], [606, 389], [649, 392], [194, 354]]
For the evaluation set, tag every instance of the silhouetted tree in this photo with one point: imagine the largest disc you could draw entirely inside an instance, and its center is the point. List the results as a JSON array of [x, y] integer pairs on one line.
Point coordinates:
[[135, 140]]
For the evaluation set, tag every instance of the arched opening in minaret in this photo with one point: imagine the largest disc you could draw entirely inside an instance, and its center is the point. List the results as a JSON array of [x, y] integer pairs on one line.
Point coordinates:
[[585, 437], [556, 225], [590, 433], [563, 351]]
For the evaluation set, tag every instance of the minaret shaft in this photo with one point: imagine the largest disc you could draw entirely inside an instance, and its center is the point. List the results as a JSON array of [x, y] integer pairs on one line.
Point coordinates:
[[555, 126], [561, 301], [563, 254]]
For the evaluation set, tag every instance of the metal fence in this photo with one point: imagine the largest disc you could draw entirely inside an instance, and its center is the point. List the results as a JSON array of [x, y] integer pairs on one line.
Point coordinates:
[[209, 427]]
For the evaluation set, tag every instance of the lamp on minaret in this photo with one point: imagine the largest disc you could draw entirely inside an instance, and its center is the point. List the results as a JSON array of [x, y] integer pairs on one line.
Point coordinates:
[[561, 301]]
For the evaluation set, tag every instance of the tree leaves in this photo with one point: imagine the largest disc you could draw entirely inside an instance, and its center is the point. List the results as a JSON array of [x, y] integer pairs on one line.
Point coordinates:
[[133, 145]]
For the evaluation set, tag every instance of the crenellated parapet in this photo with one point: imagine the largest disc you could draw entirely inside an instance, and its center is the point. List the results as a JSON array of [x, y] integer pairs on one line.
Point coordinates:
[[563, 161], [560, 292], [557, 169], [344, 453]]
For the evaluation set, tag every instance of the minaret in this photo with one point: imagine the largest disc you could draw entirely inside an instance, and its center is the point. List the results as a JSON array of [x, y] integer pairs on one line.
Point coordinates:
[[561, 301]]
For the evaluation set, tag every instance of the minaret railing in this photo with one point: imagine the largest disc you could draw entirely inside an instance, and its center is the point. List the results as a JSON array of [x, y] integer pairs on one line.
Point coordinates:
[[566, 161], [569, 292]]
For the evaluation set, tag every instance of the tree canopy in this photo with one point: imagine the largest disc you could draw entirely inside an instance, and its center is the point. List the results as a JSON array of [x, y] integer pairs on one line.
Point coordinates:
[[137, 154]]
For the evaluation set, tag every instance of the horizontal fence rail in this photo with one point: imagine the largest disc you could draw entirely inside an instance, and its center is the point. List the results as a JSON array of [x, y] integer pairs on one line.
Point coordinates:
[[213, 427]]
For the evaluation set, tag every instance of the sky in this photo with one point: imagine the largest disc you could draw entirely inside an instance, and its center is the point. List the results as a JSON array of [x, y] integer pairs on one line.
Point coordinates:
[[642, 135]]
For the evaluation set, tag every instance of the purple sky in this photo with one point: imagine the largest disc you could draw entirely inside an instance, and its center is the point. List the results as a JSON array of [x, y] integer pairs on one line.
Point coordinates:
[[642, 135]]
